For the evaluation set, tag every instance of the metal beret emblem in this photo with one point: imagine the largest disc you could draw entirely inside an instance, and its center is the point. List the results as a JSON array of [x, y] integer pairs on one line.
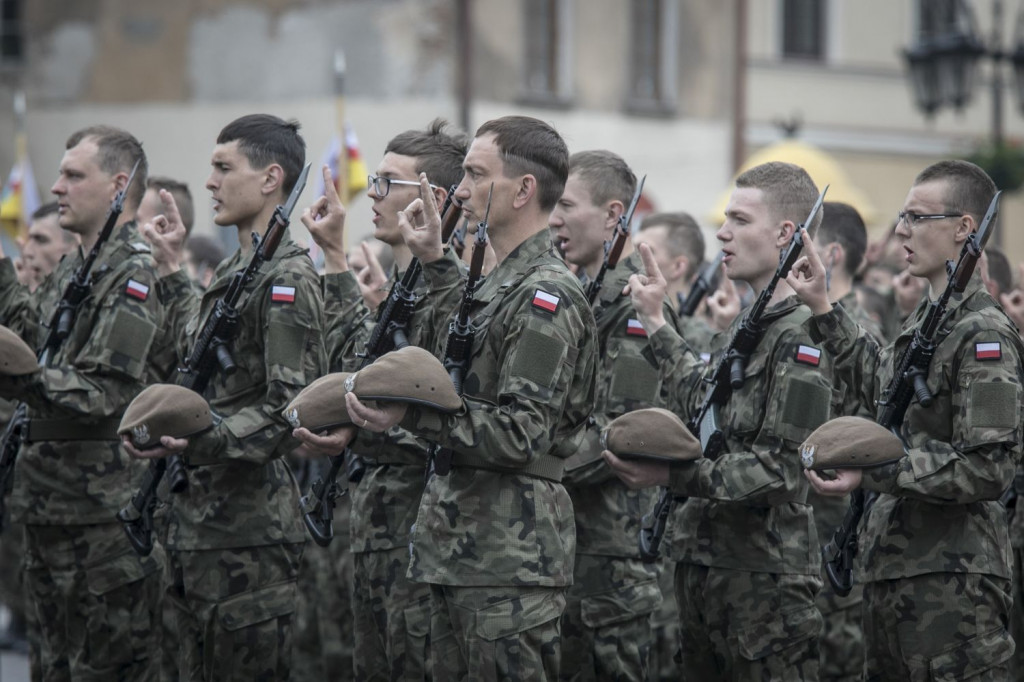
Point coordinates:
[[140, 434], [350, 382], [293, 417], [604, 439], [807, 455]]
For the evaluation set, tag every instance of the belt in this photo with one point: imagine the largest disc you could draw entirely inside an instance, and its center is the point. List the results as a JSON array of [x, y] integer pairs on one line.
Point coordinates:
[[67, 429], [546, 467]]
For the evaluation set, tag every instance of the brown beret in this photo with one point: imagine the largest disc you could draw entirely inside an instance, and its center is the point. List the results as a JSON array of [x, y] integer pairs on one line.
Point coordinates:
[[165, 410], [16, 358], [850, 443], [321, 405], [651, 433], [407, 375]]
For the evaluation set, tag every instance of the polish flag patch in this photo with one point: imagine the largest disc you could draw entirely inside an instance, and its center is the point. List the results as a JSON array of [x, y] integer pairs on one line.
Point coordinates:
[[545, 301], [137, 290], [808, 355], [282, 294], [634, 328], [988, 351]]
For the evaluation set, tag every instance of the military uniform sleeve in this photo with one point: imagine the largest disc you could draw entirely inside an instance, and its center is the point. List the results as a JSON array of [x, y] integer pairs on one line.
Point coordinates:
[[179, 298], [855, 355], [18, 308], [681, 370], [444, 278], [346, 316]]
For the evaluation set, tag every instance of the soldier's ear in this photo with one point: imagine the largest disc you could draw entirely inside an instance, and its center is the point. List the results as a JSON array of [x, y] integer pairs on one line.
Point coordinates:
[[787, 228], [612, 210], [964, 227], [525, 190], [440, 194], [273, 179]]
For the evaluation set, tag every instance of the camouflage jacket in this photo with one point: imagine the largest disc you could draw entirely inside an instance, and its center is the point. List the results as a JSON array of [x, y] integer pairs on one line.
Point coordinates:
[[62, 479], [938, 510], [607, 512], [241, 493], [697, 332], [747, 508], [494, 520]]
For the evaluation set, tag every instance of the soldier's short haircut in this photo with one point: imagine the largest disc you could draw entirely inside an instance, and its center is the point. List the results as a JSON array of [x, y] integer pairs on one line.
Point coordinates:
[[264, 139], [529, 146], [682, 237], [45, 211], [439, 151], [606, 174], [182, 197], [999, 269], [788, 191], [842, 223], [969, 188], [117, 152]]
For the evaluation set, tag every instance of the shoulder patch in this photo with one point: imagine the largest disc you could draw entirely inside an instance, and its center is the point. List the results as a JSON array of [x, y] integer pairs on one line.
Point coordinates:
[[280, 294], [545, 301], [137, 290], [808, 355], [634, 328], [988, 351]]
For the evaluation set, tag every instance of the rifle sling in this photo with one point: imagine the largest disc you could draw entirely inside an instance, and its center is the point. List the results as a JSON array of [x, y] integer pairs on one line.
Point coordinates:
[[546, 467], [65, 429]]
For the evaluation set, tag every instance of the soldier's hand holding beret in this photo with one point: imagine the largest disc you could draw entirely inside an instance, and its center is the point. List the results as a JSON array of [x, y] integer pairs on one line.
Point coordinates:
[[651, 433], [16, 358], [850, 443], [164, 410], [407, 375], [321, 405]]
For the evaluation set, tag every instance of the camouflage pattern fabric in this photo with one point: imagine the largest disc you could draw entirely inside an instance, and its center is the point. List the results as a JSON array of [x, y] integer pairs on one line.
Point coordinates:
[[1017, 615], [697, 333], [234, 611], [665, 662], [481, 633]]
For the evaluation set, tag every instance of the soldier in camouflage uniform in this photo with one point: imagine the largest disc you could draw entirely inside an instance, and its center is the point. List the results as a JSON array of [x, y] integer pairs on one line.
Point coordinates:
[[95, 600], [935, 546], [606, 627], [392, 612], [235, 539], [747, 551], [494, 537]]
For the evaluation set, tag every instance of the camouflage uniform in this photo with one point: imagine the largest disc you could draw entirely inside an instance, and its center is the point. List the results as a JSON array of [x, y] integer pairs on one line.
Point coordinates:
[[1016, 514], [235, 537], [495, 537], [935, 547], [745, 542], [606, 627], [95, 600]]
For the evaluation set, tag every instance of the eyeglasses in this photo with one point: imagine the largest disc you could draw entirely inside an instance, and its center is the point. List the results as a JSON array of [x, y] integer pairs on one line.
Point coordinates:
[[381, 185], [912, 218]]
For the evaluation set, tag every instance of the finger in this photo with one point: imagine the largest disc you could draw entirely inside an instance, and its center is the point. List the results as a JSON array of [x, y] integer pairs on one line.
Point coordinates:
[[358, 411], [372, 262], [650, 264], [810, 251], [330, 188], [430, 203], [170, 208]]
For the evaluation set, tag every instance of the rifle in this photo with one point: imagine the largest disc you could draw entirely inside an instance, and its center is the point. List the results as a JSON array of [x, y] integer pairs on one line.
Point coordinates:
[[613, 248], [705, 283], [389, 332], [209, 352], [909, 381], [726, 378], [61, 323]]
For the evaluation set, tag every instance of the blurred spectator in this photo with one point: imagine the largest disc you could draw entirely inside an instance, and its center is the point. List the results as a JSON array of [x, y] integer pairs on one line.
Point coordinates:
[[151, 205], [46, 244], [202, 256]]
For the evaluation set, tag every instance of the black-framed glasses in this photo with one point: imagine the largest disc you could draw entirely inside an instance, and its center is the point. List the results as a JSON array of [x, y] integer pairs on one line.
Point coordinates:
[[381, 185], [912, 218]]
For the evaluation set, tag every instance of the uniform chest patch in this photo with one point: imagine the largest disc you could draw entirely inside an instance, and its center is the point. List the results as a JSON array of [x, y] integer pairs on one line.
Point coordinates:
[[282, 294], [634, 328], [808, 355], [545, 301], [988, 351], [137, 290]]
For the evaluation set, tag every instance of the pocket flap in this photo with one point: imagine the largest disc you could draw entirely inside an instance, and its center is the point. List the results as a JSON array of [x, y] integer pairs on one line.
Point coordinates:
[[621, 604], [779, 632], [973, 657], [510, 616], [257, 606], [123, 570]]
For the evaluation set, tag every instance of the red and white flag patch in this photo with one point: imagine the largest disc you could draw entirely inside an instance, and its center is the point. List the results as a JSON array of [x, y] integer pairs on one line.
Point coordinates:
[[634, 328], [137, 290], [282, 294], [545, 301], [988, 351], [808, 355]]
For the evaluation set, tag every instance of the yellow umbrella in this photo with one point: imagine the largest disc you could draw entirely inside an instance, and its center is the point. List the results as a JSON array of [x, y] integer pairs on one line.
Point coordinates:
[[822, 168]]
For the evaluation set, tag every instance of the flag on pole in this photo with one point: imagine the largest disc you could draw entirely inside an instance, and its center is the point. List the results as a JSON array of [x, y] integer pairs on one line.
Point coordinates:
[[20, 196], [355, 168]]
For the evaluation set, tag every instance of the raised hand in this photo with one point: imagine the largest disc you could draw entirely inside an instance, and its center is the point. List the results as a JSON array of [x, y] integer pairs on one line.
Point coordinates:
[[325, 220], [724, 304], [647, 292], [166, 235], [420, 223], [808, 278], [372, 278]]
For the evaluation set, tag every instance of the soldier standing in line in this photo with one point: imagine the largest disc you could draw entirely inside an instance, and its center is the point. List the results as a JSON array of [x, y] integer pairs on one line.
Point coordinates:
[[235, 539], [935, 549], [747, 552], [494, 536], [95, 601]]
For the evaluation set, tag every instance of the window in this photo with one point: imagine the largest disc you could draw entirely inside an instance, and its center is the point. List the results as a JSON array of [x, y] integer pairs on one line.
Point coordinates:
[[936, 17], [11, 38], [803, 29], [653, 57], [547, 31]]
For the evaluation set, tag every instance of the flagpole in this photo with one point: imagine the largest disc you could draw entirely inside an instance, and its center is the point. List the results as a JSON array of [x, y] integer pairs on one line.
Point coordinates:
[[339, 111]]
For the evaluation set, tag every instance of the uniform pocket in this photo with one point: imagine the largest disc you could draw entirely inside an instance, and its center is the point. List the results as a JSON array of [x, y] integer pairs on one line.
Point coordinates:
[[250, 635], [780, 632], [512, 616], [621, 604], [121, 611], [973, 657]]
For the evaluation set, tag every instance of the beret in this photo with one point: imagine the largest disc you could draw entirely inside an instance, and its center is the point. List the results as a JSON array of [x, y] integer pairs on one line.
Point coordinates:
[[407, 375], [321, 405], [651, 433], [164, 410], [850, 443], [16, 358]]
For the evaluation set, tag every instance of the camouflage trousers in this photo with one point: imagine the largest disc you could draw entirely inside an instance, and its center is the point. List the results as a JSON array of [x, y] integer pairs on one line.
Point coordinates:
[[938, 626], [665, 626], [1017, 613], [738, 626], [392, 618], [233, 609], [606, 626], [12, 555], [495, 633], [96, 603], [842, 641]]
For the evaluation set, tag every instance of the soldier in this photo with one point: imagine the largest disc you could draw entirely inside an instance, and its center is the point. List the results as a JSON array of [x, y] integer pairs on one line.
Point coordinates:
[[935, 549], [494, 536], [47, 243], [94, 599], [152, 206], [391, 612], [235, 539], [606, 628], [747, 552]]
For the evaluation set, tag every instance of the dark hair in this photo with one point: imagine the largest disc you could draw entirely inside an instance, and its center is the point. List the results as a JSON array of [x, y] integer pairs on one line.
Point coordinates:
[[529, 146], [969, 188], [788, 191], [842, 223], [117, 152], [182, 197], [46, 209], [999, 269], [682, 237], [205, 251], [439, 151], [606, 175], [266, 139]]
